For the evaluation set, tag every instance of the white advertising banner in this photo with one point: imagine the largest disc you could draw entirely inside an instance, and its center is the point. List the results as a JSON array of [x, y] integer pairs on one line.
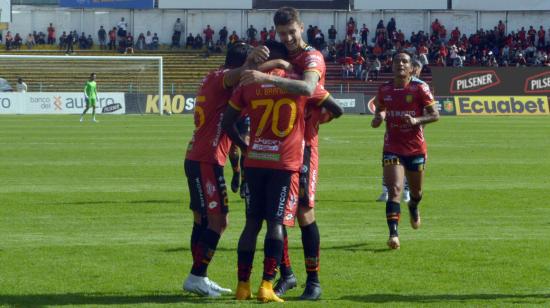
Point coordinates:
[[400, 5], [499, 5], [206, 4], [59, 103], [5, 10]]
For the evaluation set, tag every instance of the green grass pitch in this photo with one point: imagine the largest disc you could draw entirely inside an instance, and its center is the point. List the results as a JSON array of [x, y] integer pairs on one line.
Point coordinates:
[[97, 215]]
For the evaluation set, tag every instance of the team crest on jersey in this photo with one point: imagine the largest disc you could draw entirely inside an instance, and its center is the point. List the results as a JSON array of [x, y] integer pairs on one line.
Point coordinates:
[[212, 205], [409, 98], [210, 189]]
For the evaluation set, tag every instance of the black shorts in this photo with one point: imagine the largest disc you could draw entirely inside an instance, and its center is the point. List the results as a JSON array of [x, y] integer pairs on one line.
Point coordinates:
[[206, 188], [243, 125], [411, 163], [271, 194]]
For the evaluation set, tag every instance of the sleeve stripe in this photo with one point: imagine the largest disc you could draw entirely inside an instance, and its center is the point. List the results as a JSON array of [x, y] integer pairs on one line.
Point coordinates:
[[316, 71], [234, 106], [323, 100]]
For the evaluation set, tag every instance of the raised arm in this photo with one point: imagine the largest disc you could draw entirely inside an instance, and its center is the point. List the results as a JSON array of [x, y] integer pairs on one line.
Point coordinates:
[[304, 87], [335, 110]]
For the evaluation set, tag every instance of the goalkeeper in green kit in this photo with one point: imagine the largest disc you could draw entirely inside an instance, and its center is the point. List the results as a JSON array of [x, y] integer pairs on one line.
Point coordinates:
[[90, 92]]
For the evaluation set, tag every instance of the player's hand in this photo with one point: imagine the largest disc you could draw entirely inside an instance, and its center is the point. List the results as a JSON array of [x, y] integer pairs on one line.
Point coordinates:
[[376, 121], [253, 76], [410, 120], [258, 55]]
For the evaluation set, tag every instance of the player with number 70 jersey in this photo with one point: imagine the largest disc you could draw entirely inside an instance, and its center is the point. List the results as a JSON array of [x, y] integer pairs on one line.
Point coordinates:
[[276, 124]]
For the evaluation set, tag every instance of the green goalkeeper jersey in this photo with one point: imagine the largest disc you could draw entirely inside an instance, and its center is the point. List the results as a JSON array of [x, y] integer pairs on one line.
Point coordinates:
[[91, 89]]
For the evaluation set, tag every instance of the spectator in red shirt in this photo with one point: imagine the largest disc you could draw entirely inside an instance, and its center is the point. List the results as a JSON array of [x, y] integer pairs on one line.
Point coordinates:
[[358, 66], [350, 28], [443, 34], [51, 34], [208, 34], [531, 33], [501, 27], [272, 33], [233, 38], [455, 35], [263, 35], [436, 27], [541, 34]]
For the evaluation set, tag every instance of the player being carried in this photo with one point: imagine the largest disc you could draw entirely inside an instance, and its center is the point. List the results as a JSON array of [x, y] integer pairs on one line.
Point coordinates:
[[406, 104], [90, 95], [310, 63], [272, 164]]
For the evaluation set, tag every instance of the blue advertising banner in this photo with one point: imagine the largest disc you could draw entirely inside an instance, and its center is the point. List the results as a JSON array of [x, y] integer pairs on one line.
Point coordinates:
[[113, 4]]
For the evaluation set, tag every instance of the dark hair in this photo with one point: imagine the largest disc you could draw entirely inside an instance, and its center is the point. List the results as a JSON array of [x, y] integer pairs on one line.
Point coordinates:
[[286, 15], [92, 74], [236, 55], [277, 50], [416, 63], [403, 52]]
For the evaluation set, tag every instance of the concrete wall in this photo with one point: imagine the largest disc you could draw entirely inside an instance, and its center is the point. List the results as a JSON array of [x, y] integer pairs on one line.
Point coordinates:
[[28, 18]]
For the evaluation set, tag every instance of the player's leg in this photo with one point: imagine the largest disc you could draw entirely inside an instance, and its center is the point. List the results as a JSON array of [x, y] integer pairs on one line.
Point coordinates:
[[406, 191], [92, 103], [287, 280], [393, 177], [384, 195], [414, 172], [85, 110], [234, 160], [247, 241], [213, 202], [281, 203]]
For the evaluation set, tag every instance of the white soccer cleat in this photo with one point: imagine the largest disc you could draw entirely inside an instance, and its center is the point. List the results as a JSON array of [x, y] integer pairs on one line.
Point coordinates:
[[217, 287], [393, 242], [406, 196], [383, 197], [81, 120], [95, 121], [200, 286]]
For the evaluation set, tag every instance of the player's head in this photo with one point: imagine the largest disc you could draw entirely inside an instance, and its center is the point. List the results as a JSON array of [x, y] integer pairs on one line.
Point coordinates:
[[93, 76], [417, 68], [277, 50], [402, 65], [236, 55], [289, 27]]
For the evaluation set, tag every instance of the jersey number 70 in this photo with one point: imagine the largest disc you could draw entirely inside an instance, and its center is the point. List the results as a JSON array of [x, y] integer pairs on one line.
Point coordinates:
[[274, 107]]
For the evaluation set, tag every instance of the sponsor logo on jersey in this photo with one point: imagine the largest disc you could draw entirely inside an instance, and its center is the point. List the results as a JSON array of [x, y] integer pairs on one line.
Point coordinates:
[[210, 189], [408, 98], [539, 83], [473, 82], [212, 205], [502, 105]]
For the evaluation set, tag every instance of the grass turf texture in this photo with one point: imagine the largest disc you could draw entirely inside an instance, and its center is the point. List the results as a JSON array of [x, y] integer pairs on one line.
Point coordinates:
[[97, 214]]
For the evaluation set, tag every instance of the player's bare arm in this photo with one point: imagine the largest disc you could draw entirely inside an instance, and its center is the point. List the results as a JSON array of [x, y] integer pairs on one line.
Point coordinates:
[[335, 110], [432, 115], [304, 87], [230, 117], [257, 56], [379, 114], [277, 63]]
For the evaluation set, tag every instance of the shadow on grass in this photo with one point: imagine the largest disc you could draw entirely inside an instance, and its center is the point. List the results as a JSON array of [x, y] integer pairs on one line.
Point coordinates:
[[397, 298], [36, 300], [118, 202], [357, 247], [179, 249]]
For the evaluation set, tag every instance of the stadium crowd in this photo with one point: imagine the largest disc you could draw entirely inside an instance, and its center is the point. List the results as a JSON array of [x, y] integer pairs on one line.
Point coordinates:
[[361, 53]]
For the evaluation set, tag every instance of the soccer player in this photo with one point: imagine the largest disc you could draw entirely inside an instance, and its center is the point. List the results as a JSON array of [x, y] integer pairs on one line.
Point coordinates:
[[310, 63], [406, 104], [272, 165], [417, 70], [206, 156], [90, 94]]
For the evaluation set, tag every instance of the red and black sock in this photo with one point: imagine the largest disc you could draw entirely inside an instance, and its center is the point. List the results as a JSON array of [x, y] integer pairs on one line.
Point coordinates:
[[393, 213], [311, 241], [204, 252], [195, 236], [286, 267], [244, 264], [273, 251]]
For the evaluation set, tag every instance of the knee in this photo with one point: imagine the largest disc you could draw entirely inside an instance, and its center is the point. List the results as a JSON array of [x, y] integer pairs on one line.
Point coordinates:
[[306, 216], [394, 190], [217, 223]]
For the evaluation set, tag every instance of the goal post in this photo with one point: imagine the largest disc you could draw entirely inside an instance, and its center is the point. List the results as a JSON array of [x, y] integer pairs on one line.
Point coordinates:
[[140, 75]]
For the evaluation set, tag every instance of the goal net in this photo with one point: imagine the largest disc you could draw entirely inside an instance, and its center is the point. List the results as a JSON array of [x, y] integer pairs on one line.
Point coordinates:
[[129, 77]]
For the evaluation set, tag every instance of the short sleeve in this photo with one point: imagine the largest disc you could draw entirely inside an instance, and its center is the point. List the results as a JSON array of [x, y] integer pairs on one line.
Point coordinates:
[[319, 96], [314, 62], [426, 97]]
